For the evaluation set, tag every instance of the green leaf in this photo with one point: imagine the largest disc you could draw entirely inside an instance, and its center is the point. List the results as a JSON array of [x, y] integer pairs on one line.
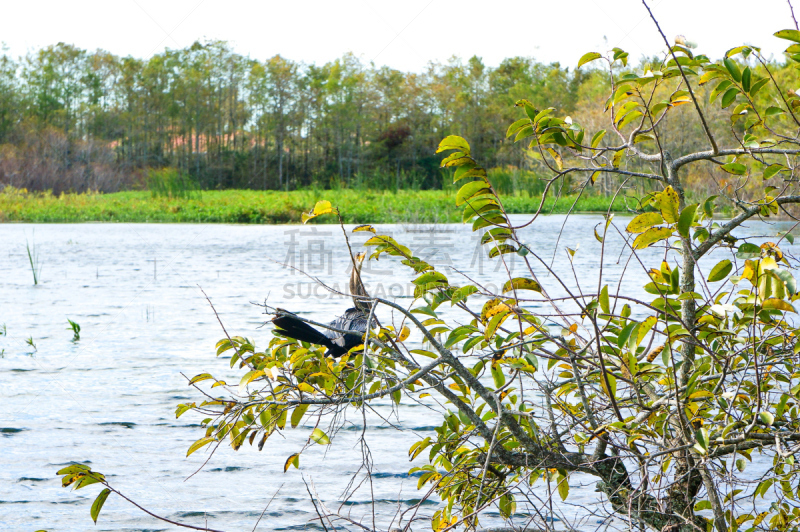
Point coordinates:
[[318, 436], [88, 480], [598, 137], [501, 249], [604, 303], [733, 68], [71, 469], [702, 505], [748, 251], [785, 275], [702, 441], [297, 414], [516, 126], [772, 169], [198, 444], [767, 418], [588, 57], [465, 171], [746, 79], [521, 283], [530, 110], [470, 190], [719, 89], [686, 219], [498, 376], [789, 35], [630, 117], [729, 97], [644, 221], [646, 326], [612, 382], [720, 271], [563, 489], [524, 132], [735, 168], [98, 503], [758, 85], [454, 142], [430, 278], [651, 236], [462, 293]]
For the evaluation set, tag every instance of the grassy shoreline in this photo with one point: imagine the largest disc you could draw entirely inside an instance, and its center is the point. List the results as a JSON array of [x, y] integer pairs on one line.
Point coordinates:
[[272, 207]]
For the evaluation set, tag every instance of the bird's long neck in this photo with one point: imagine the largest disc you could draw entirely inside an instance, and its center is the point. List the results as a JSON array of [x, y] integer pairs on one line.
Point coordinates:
[[357, 289]]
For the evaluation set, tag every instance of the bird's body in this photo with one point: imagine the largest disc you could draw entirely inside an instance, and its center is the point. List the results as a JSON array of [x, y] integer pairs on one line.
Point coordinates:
[[354, 320], [338, 343]]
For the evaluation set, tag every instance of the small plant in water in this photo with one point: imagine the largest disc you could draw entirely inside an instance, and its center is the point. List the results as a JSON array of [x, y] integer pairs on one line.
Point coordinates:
[[3, 330], [29, 341], [33, 258], [76, 330]]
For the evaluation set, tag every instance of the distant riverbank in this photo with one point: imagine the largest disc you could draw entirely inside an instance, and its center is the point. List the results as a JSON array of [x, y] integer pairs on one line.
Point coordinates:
[[272, 207]]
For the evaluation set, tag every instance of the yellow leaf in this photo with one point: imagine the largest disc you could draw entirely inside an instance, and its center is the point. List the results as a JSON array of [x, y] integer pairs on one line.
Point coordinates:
[[521, 283], [492, 307], [322, 207], [651, 236], [556, 157], [318, 436], [644, 221], [198, 444], [404, 334], [305, 387], [777, 304], [292, 460], [669, 204], [249, 377], [365, 227]]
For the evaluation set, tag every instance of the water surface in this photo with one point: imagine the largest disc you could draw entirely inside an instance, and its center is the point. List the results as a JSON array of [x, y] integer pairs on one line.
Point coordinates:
[[109, 399]]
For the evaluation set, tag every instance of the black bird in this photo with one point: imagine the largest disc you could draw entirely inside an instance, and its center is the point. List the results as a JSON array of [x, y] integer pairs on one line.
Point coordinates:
[[353, 319]]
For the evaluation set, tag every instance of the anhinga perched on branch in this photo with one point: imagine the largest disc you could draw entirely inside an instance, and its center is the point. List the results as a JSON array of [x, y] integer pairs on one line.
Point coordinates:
[[353, 319]]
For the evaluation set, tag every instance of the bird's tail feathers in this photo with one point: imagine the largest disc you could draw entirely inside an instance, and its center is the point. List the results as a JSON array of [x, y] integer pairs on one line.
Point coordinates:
[[299, 330]]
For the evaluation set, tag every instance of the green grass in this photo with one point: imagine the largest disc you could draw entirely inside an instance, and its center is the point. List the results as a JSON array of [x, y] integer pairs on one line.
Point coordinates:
[[249, 206]]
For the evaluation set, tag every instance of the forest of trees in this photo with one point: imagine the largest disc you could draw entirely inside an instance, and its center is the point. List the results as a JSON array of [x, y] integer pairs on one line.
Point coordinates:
[[74, 120]]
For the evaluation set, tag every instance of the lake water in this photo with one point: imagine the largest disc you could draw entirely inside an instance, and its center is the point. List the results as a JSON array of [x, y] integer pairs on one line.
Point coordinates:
[[110, 398]]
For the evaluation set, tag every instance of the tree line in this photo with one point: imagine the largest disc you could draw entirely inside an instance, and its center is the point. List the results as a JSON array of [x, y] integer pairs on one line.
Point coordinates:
[[71, 119], [75, 120]]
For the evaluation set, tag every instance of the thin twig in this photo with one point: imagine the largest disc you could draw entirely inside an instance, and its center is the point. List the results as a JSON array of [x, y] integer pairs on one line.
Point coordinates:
[[791, 9], [267, 506]]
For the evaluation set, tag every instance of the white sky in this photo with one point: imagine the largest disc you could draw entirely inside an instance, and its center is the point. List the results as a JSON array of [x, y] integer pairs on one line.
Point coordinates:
[[402, 34]]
